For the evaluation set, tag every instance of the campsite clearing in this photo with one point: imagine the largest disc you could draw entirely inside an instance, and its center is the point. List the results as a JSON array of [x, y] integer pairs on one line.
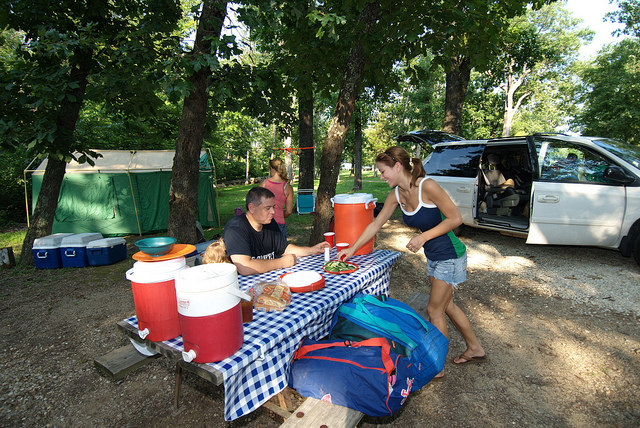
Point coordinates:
[[559, 352]]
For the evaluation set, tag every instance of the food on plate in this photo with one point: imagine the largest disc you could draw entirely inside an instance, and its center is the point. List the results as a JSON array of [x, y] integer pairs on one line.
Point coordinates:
[[336, 266], [272, 296]]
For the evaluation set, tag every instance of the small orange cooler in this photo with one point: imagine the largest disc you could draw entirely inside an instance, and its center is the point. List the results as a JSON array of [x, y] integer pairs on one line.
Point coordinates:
[[352, 214]]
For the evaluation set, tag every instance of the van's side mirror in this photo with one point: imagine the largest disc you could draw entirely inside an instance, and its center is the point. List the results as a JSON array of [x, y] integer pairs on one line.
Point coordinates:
[[617, 175]]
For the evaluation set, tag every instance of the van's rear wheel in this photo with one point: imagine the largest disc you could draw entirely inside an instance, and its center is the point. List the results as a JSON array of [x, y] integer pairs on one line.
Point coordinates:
[[636, 249]]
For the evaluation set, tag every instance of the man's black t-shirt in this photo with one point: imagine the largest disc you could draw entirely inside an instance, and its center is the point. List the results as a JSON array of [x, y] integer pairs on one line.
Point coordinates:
[[241, 238]]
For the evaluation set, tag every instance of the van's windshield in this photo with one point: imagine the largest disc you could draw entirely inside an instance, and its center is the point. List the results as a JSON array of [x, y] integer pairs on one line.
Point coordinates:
[[627, 152]]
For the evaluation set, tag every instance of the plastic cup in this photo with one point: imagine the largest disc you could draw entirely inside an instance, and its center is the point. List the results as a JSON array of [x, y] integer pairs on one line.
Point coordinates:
[[247, 307], [342, 246], [330, 237]]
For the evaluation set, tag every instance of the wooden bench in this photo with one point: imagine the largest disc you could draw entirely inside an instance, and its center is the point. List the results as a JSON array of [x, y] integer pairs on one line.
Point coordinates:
[[314, 413], [122, 361]]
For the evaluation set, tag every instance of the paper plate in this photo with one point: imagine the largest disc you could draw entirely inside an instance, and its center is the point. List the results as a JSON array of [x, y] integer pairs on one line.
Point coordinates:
[[303, 281], [177, 251], [354, 268]]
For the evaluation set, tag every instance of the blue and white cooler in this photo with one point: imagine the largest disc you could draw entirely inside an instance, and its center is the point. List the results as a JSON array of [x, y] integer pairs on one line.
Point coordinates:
[[106, 251], [73, 249], [46, 251]]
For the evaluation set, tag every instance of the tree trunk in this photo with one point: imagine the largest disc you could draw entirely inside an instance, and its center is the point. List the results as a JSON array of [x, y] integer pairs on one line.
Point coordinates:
[[42, 219], [44, 212], [334, 143], [183, 195], [510, 87], [357, 154], [305, 128], [456, 90]]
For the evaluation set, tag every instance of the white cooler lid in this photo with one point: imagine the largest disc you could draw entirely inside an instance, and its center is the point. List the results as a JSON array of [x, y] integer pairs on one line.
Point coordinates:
[[50, 241], [148, 272], [80, 239], [206, 277], [353, 198], [106, 242]]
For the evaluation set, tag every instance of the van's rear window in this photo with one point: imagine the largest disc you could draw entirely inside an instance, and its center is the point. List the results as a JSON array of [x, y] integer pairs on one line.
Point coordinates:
[[454, 160]]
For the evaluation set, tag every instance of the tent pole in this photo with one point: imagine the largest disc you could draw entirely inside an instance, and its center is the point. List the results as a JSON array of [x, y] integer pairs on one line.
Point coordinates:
[[26, 192], [135, 208], [26, 195], [215, 187]]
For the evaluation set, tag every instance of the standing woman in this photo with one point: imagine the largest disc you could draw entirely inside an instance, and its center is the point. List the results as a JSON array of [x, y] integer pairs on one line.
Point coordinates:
[[278, 183], [426, 206]]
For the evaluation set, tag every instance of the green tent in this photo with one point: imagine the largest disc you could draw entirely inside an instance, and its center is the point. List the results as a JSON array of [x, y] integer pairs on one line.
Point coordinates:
[[125, 192]]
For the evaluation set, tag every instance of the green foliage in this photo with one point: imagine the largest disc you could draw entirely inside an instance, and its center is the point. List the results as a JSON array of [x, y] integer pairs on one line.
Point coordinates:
[[483, 111], [611, 93], [108, 42], [234, 136], [539, 51], [12, 203], [629, 15]]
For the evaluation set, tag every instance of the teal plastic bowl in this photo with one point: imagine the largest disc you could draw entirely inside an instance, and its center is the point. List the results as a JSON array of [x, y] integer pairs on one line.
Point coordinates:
[[155, 246]]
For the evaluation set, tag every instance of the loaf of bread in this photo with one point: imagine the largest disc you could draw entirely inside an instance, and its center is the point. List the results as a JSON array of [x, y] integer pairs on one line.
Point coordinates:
[[272, 296]]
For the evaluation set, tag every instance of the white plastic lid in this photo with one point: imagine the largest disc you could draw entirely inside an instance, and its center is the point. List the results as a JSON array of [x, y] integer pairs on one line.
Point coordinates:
[[50, 241], [147, 272], [80, 239], [353, 198], [206, 277], [106, 242], [301, 278]]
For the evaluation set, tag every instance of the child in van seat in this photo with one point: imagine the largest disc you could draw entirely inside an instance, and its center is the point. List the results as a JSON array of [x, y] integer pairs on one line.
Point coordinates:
[[215, 253]]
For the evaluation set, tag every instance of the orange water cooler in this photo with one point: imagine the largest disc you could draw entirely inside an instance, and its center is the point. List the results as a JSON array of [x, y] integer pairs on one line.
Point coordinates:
[[352, 214]]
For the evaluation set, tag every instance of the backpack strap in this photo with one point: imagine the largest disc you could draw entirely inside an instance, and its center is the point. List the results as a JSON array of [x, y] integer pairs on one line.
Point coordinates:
[[375, 341]]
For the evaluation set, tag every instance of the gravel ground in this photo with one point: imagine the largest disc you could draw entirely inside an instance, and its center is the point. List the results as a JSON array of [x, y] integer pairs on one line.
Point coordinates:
[[559, 324]]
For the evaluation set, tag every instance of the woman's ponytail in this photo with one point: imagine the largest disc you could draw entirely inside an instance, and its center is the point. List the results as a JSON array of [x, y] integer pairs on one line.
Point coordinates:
[[417, 170]]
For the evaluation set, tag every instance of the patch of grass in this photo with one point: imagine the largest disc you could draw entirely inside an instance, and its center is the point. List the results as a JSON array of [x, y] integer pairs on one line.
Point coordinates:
[[298, 226], [13, 238]]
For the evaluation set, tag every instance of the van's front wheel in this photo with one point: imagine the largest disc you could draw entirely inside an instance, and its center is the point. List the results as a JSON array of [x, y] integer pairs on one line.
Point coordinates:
[[636, 249]]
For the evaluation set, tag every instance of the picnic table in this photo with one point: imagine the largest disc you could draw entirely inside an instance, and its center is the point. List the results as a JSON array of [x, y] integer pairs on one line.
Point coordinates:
[[258, 371]]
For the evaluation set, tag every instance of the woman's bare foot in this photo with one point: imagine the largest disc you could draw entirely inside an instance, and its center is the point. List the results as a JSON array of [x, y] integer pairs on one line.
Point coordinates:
[[469, 356]]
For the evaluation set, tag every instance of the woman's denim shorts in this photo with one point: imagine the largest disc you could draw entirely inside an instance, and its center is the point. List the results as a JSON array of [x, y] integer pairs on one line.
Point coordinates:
[[452, 271]]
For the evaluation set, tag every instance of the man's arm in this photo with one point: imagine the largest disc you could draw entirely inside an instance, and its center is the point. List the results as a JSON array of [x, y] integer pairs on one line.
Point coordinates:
[[248, 266], [306, 251]]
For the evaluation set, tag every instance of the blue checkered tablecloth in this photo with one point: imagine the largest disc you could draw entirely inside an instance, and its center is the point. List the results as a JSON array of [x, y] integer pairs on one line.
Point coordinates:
[[260, 368]]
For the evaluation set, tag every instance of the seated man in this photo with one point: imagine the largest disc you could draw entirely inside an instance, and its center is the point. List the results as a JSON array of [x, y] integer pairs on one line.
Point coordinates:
[[254, 241]]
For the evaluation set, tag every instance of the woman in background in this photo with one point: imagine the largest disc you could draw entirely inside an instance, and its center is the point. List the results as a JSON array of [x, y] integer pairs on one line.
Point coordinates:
[[278, 183]]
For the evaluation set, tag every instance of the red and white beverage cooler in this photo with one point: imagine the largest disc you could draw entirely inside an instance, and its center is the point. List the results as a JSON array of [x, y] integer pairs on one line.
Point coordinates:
[[352, 214], [154, 295], [210, 312]]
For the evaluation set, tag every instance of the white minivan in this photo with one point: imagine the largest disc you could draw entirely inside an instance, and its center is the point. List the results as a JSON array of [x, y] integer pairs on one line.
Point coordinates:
[[562, 189]]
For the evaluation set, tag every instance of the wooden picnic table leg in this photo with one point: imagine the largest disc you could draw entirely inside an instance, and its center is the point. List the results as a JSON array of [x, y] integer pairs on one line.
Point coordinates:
[[178, 384], [284, 399]]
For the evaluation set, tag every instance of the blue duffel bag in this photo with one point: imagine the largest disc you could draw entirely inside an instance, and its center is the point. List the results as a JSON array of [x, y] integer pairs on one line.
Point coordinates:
[[407, 332], [363, 376]]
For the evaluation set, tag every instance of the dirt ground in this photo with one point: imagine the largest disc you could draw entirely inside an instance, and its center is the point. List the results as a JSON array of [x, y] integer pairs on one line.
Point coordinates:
[[552, 360]]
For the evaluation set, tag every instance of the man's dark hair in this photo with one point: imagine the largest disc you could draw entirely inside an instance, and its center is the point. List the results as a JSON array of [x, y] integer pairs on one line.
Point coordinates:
[[257, 194]]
